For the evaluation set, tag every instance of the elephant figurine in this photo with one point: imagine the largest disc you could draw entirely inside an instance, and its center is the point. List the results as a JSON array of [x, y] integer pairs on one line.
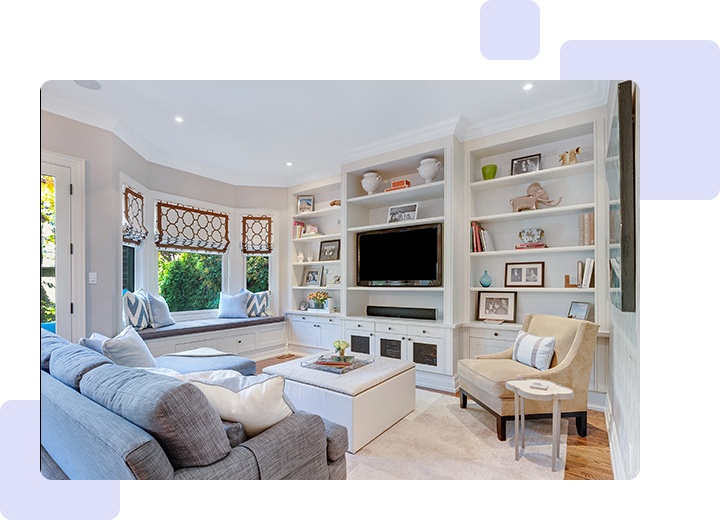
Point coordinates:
[[535, 195]]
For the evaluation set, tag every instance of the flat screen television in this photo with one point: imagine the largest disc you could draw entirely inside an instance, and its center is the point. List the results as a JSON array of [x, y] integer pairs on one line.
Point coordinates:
[[409, 256]]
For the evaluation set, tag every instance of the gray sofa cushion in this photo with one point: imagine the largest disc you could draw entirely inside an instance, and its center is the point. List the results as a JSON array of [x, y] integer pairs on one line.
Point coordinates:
[[71, 362], [177, 414], [49, 342], [337, 440]]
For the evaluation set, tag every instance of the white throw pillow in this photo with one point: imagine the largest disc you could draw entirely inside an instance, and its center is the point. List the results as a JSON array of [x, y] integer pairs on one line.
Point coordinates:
[[533, 351], [128, 349], [257, 402], [233, 306]]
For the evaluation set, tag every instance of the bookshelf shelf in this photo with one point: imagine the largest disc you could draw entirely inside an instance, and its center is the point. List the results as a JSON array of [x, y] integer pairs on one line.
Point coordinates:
[[536, 214], [543, 251], [547, 174]]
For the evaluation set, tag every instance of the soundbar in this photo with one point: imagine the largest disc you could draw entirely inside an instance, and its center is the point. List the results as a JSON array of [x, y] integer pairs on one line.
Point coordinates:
[[402, 312]]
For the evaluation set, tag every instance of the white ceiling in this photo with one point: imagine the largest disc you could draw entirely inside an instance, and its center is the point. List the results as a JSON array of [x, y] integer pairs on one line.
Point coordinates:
[[243, 132]]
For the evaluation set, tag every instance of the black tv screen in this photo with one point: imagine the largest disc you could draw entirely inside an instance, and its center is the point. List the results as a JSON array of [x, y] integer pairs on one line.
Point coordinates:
[[407, 256]]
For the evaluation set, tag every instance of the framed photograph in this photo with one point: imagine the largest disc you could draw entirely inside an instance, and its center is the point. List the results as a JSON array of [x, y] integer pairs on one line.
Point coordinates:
[[329, 250], [579, 310], [312, 276], [305, 204], [527, 164], [500, 306], [402, 213], [525, 274]]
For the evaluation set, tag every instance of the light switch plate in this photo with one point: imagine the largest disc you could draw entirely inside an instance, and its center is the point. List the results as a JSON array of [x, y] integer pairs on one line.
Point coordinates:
[[92, 277]]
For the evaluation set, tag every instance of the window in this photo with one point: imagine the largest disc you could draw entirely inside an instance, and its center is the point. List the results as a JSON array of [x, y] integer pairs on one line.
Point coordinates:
[[190, 281], [257, 273], [128, 266], [47, 249]]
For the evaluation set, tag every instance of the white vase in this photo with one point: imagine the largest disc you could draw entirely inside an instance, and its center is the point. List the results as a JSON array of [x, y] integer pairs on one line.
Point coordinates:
[[428, 169], [371, 182]]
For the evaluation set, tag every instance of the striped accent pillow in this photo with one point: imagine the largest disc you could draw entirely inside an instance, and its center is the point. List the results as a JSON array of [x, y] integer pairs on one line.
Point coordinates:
[[257, 304], [533, 351], [137, 309]]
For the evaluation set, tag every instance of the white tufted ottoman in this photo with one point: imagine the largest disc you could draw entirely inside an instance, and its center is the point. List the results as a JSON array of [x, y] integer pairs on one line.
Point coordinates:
[[367, 400]]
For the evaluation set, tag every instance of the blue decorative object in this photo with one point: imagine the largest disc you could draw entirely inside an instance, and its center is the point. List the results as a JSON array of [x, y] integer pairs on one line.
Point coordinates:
[[485, 280]]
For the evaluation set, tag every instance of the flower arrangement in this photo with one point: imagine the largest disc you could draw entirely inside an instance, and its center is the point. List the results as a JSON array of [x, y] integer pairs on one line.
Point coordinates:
[[340, 347], [319, 297]]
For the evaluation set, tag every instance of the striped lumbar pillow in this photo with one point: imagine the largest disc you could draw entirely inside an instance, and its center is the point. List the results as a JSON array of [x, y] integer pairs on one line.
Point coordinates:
[[534, 351], [257, 304]]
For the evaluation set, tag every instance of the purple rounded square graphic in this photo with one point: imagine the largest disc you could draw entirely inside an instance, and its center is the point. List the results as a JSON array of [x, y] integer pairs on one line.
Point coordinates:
[[510, 30]]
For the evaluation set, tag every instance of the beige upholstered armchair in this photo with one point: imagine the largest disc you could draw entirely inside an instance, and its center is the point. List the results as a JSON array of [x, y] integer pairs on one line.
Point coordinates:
[[483, 379]]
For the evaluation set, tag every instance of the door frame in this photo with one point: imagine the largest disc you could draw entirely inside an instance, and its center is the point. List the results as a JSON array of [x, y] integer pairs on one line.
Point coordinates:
[[77, 238]]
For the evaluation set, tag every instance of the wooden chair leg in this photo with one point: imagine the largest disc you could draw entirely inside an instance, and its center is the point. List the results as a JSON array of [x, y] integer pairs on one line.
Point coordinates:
[[501, 428], [463, 399], [581, 424]]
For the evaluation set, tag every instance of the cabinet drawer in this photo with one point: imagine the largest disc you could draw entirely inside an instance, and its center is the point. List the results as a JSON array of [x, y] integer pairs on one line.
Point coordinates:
[[505, 335], [198, 343], [303, 319], [324, 320], [391, 327], [359, 325], [423, 332], [237, 342]]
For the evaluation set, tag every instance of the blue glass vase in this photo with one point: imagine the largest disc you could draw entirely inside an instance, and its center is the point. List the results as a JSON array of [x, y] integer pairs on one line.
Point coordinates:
[[485, 280]]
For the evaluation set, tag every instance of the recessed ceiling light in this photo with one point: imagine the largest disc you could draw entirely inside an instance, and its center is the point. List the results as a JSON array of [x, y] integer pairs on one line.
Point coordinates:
[[88, 84], [288, 164], [527, 86], [179, 119]]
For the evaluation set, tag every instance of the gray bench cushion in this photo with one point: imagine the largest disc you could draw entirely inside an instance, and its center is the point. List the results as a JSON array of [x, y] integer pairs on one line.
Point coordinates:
[[177, 414], [208, 325]]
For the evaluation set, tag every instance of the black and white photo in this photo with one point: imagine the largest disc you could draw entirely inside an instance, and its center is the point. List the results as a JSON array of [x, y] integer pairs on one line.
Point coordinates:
[[525, 274], [496, 306], [329, 250], [402, 213], [527, 164]]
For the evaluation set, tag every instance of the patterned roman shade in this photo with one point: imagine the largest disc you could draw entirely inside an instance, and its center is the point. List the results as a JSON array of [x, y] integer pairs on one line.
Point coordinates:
[[257, 235], [134, 231], [185, 228]]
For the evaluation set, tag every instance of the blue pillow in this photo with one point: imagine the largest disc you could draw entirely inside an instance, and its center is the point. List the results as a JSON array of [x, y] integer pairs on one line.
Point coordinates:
[[94, 342], [233, 306], [159, 312]]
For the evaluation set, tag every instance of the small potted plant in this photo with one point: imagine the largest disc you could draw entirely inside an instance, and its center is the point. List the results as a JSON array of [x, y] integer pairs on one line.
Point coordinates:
[[340, 347]]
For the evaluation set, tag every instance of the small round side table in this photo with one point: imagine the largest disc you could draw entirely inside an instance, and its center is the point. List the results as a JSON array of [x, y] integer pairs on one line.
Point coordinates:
[[554, 393]]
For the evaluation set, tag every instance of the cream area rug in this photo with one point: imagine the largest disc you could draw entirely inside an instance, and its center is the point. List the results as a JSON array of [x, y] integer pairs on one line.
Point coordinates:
[[441, 441]]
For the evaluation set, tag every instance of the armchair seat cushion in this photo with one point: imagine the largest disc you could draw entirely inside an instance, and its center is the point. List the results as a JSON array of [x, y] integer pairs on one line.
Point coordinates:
[[491, 374]]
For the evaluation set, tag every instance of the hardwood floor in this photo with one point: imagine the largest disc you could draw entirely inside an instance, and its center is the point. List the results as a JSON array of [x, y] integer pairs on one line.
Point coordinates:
[[587, 458]]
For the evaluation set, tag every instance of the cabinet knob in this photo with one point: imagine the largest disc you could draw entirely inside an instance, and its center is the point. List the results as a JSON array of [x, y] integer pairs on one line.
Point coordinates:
[[303, 317], [495, 334], [239, 341], [330, 320], [389, 328], [424, 332], [409, 339], [359, 325], [371, 333], [403, 337]]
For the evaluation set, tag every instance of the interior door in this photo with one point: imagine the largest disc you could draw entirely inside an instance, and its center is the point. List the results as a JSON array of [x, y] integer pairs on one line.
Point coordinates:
[[55, 254]]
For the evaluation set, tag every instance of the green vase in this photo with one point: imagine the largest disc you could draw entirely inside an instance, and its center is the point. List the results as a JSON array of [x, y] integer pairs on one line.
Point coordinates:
[[489, 171]]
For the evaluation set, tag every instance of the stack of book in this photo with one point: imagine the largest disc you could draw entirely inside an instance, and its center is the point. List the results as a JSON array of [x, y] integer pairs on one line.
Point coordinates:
[[481, 239], [532, 245], [298, 229]]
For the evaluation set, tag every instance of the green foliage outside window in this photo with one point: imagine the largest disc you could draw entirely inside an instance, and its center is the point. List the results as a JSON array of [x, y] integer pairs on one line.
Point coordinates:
[[257, 273], [190, 281], [47, 248]]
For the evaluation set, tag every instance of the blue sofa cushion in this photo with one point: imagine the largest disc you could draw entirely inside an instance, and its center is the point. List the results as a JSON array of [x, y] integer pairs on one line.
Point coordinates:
[[71, 362], [177, 414], [188, 364], [49, 341]]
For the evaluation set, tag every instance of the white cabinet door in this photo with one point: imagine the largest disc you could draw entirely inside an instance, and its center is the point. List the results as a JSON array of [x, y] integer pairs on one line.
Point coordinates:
[[328, 334], [392, 346], [306, 333], [427, 353], [361, 341]]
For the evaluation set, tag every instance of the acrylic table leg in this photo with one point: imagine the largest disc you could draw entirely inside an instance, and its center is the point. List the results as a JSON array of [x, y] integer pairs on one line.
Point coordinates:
[[556, 431], [522, 421], [517, 427]]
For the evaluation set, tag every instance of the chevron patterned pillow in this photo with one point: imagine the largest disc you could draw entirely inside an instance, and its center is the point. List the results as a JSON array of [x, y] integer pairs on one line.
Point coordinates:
[[137, 309], [257, 304]]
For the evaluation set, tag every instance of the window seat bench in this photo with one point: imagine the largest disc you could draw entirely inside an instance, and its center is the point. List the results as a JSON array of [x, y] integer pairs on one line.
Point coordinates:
[[248, 337]]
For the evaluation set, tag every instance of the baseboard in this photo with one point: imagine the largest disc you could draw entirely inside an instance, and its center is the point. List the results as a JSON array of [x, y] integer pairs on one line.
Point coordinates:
[[615, 453], [436, 381], [596, 401]]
